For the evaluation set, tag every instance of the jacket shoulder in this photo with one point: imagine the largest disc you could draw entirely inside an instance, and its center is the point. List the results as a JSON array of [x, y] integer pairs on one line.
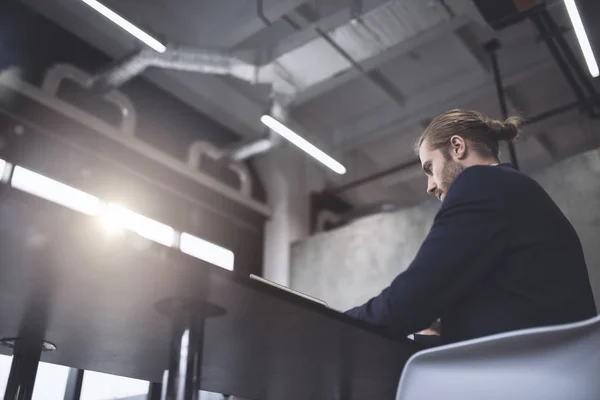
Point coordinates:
[[483, 179]]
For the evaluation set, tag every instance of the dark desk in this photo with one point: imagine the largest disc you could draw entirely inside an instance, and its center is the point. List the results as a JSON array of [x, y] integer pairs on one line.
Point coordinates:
[[95, 298]]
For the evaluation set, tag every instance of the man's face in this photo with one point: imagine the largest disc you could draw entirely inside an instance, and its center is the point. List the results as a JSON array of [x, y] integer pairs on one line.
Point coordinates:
[[440, 170]]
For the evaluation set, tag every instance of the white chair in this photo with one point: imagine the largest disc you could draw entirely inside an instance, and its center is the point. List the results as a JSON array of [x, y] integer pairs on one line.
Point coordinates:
[[557, 362]]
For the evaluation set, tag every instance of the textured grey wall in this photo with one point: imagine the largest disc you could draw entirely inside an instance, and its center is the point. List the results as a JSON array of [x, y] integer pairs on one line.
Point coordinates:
[[347, 266], [575, 186]]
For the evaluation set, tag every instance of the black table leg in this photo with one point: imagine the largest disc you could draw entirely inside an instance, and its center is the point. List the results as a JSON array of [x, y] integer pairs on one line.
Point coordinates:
[[74, 384], [154, 391], [185, 360], [26, 357]]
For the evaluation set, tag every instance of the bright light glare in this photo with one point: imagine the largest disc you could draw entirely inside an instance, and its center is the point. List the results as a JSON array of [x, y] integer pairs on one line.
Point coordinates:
[[57, 192], [584, 43], [116, 218], [111, 222], [206, 251], [126, 25], [3, 165], [303, 144]]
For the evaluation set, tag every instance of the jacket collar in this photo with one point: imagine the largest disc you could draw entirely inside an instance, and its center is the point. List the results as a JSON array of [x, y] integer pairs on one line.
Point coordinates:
[[507, 165]]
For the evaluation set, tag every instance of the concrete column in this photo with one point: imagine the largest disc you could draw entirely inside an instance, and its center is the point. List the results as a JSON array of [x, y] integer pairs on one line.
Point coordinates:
[[288, 176]]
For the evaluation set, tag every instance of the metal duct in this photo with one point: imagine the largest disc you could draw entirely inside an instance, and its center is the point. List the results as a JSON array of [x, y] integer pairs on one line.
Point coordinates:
[[261, 145], [181, 59], [206, 62], [199, 149], [65, 72], [378, 30], [251, 149]]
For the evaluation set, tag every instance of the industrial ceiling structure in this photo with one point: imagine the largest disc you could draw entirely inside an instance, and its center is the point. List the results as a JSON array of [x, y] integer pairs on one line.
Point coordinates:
[[360, 79]]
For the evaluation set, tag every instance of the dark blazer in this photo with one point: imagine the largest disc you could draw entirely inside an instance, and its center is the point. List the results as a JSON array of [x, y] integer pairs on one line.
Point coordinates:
[[500, 256]]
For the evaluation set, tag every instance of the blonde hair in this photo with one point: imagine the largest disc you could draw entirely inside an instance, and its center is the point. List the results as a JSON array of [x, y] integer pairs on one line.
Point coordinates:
[[483, 133]]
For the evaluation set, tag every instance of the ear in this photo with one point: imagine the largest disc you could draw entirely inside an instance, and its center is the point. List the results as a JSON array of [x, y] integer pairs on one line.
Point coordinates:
[[458, 147]]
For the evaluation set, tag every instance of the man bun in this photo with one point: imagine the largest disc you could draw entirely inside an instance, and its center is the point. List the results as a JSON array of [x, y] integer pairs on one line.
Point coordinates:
[[504, 131], [482, 133]]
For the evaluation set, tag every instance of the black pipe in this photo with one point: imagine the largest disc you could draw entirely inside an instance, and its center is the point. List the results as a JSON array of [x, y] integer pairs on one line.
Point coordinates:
[[448, 9], [397, 168], [372, 177], [568, 53], [492, 48], [552, 112], [555, 52], [261, 13]]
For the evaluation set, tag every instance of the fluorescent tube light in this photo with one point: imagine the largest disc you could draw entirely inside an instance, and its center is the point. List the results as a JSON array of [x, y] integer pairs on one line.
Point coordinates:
[[206, 251], [584, 43], [54, 191], [126, 25], [303, 144], [115, 217]]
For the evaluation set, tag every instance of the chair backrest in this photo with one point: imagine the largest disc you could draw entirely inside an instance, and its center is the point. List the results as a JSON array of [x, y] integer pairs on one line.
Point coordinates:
[[557, 362]]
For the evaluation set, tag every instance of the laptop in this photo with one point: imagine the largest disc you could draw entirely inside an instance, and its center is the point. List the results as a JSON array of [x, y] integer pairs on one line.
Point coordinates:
[[287, 289]]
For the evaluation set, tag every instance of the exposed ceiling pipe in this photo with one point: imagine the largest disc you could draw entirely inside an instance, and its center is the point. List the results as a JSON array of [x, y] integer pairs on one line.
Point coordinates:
[[262, 145], [235, 156], [260, 12], [416, 162], [222, 63], [200, 149], [181, 59], [56, 74], [200, 61], [251, 149], [447, 8]]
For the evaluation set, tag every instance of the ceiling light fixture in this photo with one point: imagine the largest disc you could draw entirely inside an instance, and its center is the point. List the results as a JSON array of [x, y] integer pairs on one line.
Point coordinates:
[[126, 25], [302, 143], [54, 191], [584, 43]]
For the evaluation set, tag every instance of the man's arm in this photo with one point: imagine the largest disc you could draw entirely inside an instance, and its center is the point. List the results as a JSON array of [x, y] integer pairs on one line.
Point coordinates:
[[468, 237]]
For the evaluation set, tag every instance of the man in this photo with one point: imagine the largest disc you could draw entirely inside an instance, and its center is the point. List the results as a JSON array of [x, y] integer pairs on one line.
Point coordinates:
[[500, 255], [429, 337]]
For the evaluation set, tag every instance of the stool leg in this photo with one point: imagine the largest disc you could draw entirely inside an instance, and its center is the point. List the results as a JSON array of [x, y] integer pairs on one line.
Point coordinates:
[[182, 379], [26, 357], [154, 391], [185, 359], [74, 384]]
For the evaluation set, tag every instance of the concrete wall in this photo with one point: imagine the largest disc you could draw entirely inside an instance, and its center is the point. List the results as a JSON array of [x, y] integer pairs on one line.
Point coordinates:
[[347, 266], [288, 176]]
